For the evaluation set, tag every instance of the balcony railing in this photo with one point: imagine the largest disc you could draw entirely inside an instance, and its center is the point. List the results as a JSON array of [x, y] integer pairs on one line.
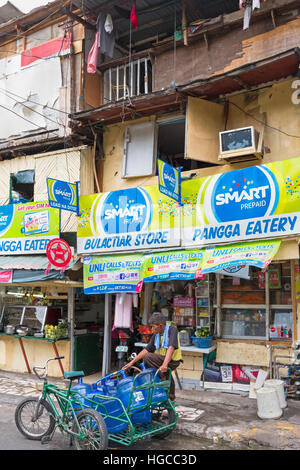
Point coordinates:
[[128, 80]]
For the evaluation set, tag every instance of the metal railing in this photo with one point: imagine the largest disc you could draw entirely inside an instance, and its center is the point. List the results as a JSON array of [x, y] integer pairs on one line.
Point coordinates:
[[128, 80]]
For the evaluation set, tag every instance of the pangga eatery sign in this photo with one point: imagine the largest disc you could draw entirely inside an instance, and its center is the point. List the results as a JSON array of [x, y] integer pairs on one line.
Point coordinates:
[[27, 228], [251, 203]]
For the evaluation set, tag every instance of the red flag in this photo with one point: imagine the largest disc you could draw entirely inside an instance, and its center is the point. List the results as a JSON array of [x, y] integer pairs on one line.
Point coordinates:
[[133, 17]]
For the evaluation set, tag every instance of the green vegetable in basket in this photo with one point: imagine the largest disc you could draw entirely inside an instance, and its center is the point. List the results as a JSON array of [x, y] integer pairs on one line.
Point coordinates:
[[203, 332]]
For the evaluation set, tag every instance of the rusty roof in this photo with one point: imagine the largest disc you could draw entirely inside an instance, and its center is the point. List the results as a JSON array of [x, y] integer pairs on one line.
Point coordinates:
[[156, 19]]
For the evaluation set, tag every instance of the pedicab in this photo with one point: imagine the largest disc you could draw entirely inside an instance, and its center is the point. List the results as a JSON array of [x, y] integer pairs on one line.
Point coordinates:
[[133, 407]]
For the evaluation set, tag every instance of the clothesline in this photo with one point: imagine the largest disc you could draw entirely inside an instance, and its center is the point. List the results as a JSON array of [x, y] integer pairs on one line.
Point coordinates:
[[105, 37]]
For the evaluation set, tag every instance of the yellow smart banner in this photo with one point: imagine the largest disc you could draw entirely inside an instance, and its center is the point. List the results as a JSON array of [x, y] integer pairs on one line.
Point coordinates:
[[128, 219], [251, 203]]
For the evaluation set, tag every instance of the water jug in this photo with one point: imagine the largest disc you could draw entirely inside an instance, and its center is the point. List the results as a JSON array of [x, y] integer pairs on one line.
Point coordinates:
[[110, 387], [108, 384], [159, 393], [111, 409], [82, 389], [138, 398]]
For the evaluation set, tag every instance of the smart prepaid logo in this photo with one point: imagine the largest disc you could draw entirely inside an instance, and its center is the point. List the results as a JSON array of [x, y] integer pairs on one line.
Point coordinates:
[[239, 195], [169, 178], [123, 211], [63, 193]]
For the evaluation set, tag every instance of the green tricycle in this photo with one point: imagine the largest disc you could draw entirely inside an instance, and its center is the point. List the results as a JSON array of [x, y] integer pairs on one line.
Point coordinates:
[[117, 408]]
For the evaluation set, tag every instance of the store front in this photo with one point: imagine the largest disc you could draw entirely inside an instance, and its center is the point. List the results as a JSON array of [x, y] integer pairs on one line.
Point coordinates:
[[57, 319], [43, 310], [222, 264]]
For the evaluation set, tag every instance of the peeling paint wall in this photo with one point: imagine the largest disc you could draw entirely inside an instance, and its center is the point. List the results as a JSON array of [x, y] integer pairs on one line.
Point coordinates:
[[230, 49], [40, 83], [67, 165]]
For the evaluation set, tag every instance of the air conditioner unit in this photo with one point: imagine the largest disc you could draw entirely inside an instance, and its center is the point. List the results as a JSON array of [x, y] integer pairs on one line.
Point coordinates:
[[240, 145]]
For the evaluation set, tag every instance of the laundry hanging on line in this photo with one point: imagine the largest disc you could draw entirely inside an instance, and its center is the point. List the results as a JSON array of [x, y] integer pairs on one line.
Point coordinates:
[[104, 41], [107, 34], [133, 17], [93, 56], [248, 6], [123, 311]]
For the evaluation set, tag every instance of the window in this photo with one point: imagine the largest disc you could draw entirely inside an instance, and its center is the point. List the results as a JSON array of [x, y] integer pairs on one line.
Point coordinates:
[[21, 186], [140, 149], [144, 142], [171, 146], [253, 310]]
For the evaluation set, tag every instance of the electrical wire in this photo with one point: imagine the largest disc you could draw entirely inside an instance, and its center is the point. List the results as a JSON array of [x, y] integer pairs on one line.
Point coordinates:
[[262, 122], [22, 117], [34, 102], [31, 109]]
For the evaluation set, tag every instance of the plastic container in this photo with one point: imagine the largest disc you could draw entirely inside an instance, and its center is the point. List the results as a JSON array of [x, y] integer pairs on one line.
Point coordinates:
[[138, 398], [184, 338], [159, 393], [279, 386], [82, 389], [268, 406], [110, 387], [113, 409], [202, 341]]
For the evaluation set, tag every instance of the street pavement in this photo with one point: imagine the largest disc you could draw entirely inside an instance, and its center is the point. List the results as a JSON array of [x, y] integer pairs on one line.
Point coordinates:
[[216, 416]]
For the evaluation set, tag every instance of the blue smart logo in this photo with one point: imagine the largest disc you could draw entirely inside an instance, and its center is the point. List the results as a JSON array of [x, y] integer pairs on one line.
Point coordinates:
[[63, 193], [243, 194], [126, 211], [169, 177], [6, 217]]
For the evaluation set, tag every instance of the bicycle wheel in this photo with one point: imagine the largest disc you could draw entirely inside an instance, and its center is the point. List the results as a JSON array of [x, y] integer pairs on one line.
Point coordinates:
[[27, 425], [93, 430], [159, 416]]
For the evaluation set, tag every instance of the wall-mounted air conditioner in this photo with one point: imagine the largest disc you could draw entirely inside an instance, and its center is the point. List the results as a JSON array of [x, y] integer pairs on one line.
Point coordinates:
[[244, 144]]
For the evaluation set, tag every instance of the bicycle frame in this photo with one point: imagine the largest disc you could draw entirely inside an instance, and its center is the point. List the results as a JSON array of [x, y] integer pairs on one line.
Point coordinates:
[[66, 414], [66, 403]]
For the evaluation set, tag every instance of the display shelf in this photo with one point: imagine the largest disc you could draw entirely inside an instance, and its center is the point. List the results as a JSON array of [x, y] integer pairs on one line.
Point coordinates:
[[204, 301]]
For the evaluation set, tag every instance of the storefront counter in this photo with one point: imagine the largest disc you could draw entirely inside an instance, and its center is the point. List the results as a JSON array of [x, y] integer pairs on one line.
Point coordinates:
[[22, 353]]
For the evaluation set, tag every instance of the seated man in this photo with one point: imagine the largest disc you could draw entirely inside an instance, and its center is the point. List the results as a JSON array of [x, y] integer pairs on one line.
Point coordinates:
[[163, 350]]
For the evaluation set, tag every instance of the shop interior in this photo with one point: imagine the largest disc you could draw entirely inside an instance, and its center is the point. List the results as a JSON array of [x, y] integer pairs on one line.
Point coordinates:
[[249, 307]]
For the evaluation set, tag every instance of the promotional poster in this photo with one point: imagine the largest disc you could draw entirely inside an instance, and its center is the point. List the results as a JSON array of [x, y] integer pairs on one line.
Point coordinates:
[[27, 228], [108, 274]]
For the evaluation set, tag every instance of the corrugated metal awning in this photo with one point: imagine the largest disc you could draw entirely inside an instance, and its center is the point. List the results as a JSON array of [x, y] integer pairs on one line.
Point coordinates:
[[38, 262]]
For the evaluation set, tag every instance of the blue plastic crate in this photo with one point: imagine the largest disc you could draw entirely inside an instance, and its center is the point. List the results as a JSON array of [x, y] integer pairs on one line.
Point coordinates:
[[202, 341]]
